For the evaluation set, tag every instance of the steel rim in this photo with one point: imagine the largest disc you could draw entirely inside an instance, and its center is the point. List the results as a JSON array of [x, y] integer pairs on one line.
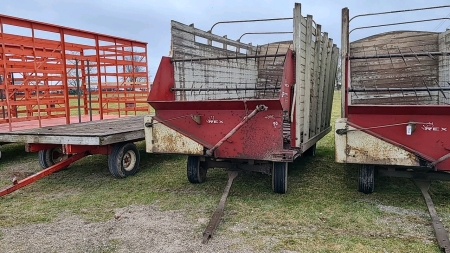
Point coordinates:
[[58, 155], [129, 161]]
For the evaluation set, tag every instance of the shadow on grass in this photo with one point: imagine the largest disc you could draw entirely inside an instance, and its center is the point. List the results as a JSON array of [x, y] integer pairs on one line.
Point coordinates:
[[12, 152]]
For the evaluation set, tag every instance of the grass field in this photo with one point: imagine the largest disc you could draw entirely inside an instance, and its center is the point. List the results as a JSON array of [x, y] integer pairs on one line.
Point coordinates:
[[322, 211]]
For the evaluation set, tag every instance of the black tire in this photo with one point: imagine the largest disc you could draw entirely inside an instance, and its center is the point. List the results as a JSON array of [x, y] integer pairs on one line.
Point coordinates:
[[124, 160], [279, 177], [311, 151], [366, 180], [196, 170], [50, 157]]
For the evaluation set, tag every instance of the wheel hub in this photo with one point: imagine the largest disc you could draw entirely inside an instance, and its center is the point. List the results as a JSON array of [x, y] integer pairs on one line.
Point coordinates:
[[129, 161]]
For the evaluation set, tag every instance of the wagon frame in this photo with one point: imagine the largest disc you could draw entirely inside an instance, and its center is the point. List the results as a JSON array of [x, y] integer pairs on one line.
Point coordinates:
[[232, 105]]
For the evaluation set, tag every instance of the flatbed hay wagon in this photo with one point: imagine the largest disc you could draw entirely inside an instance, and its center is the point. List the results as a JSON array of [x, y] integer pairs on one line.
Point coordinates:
[[68, 93], [395, 104], [227, 104]]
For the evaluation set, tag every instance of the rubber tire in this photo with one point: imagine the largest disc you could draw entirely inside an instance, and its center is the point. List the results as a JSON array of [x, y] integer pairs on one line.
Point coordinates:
[[47, 157], [279, 177], [120, 154], [366, 179], [196, 170], [311, 151]]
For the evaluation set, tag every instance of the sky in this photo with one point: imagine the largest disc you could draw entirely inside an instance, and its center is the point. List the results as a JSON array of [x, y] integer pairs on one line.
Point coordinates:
[[149, 20]]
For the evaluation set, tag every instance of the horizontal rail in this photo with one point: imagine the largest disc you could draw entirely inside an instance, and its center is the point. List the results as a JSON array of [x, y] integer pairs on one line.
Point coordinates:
[[399, 23], [399, 89], [254, 33], [391, 12], [381, 56], [227, 58], [248, 20], [225, 89]]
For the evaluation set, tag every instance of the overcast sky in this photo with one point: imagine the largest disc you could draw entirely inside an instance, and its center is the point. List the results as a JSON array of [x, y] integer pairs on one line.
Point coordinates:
[[149, 20]]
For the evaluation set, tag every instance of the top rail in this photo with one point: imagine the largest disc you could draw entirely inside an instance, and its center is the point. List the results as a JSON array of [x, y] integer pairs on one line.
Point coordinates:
[[398, 11]]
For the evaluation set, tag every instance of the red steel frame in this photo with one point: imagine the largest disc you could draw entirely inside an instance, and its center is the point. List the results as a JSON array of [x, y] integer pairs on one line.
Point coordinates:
[[260, 138], [431, 139], [38, 75], [77, 152]]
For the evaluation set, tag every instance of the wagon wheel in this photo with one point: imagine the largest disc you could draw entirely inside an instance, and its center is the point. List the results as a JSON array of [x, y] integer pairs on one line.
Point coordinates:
[[366, 180], [52, 156], [279, 177], [124, 160], [196, 170], [311, 151]]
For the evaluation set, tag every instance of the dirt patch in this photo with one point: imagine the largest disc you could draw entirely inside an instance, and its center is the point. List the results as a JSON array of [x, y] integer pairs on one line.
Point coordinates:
[[20, 170], [401, 211], [133, 229]]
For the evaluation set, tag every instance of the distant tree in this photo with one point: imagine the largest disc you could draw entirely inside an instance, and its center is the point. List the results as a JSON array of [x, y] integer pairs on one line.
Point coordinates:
[[135, 68], [72, 72]]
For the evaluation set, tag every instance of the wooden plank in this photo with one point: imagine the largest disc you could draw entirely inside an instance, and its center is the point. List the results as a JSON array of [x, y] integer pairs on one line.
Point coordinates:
[[328, 82], [210, 36], [315, 88], [397, 38], [298, 76], [309, 82], [386, 64], [333, 70], [86, 133], [209, 74], [344, 52], [394, 72], [322, 85]]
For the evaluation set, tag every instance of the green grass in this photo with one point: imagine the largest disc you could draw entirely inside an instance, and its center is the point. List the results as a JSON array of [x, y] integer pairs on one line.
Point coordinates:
[[322, 211]]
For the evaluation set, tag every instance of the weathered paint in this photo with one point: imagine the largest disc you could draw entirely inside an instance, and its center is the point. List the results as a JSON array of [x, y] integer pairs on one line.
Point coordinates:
[[261, 138], [362, 148], [162, 139]]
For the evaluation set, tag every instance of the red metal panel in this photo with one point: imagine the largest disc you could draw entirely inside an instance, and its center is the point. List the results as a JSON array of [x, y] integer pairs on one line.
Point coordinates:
[[260, 138], [98, 150], [163, 82], [400, 109], [35, 147], [287, 82], [430, 139]]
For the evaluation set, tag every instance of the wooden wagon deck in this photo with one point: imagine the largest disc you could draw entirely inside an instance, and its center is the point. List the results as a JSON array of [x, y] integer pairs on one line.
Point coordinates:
[[100, 132]]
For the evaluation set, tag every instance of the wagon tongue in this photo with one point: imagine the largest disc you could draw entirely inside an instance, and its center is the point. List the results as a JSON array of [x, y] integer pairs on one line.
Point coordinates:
[[438, 226], [217, 215]]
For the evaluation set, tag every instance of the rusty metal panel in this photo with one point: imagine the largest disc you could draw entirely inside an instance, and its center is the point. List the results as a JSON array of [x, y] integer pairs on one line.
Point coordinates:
[[166, 140], [359, 147]]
